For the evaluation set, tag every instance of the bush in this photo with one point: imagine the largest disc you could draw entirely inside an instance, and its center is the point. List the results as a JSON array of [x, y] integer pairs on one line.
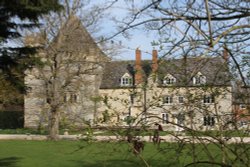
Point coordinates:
[[11, 119]]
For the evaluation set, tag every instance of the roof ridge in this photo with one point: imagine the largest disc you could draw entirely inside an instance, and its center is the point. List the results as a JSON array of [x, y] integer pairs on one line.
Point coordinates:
[[74, 37]]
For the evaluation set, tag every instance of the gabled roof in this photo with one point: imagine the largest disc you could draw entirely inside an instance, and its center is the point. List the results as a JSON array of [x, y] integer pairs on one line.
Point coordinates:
[[73, 37], [215, 70]]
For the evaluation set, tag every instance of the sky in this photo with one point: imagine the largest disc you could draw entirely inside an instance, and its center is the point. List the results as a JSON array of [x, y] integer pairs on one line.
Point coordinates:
[[137, 38], [140, 40]]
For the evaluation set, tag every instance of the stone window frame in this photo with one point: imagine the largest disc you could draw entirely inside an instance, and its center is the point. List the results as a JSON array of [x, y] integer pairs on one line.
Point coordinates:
[[165, 118], [209, 120], [168, 100], [70, 97], [180, 118], [208, 99], [73, 98], [182, 99]]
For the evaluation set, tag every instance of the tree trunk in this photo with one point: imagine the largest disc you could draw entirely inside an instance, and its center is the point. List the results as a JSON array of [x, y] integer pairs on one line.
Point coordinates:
[[54, 125]]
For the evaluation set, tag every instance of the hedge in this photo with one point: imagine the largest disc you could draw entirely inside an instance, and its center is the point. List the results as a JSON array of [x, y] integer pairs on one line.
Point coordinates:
[[11, 119]]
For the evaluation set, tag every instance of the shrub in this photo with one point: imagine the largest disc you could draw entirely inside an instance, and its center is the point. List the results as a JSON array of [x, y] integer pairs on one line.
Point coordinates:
[[11, 119]]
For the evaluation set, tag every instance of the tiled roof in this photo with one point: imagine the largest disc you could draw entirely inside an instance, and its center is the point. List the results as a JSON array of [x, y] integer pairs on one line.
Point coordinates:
[[73, 37], [214, 69], [113, 71]]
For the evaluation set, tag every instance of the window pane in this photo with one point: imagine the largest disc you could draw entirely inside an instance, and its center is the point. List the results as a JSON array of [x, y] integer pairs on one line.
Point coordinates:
[[205, 121], [168, 99], [126, 81], [180, 119], [168, 81], [73, 98], [65, 98], [212, 121], [208, 99], [181, 99], [208, 121], [164, 118], [200, 79]]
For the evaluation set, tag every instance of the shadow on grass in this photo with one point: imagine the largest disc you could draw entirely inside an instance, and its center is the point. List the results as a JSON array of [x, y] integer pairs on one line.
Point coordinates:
[[111, 163], [123, 163], [9, 162]]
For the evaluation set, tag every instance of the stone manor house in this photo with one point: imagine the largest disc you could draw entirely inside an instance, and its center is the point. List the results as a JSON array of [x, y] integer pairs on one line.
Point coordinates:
[[193, 92]]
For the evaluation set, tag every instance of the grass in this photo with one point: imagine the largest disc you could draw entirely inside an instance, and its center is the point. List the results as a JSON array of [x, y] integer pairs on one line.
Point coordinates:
[[135, 132], [100, 154], [121, 132]]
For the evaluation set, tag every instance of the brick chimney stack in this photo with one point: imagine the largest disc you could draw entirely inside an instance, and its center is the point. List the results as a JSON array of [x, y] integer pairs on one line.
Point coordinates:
[[138, 67], [154, 61]]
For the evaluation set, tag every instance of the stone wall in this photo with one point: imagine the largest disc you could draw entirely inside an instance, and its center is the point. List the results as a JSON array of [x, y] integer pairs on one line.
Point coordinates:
[[118, 104], [68, 80]]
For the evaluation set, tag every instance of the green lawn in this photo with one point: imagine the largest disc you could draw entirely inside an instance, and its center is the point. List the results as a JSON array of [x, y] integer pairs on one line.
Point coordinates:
[[99, 154]]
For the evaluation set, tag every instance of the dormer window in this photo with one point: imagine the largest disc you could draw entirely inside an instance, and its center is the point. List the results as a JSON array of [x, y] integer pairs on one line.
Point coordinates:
[[199, 79], [126, 80], [169, 80]]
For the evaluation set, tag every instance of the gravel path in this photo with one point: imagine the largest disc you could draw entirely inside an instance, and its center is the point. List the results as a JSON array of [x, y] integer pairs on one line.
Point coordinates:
[[167, 138]]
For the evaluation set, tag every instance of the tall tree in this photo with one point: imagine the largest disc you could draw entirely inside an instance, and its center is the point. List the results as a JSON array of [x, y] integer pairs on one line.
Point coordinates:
[[198, 27], [68, 57], [15, 17]]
